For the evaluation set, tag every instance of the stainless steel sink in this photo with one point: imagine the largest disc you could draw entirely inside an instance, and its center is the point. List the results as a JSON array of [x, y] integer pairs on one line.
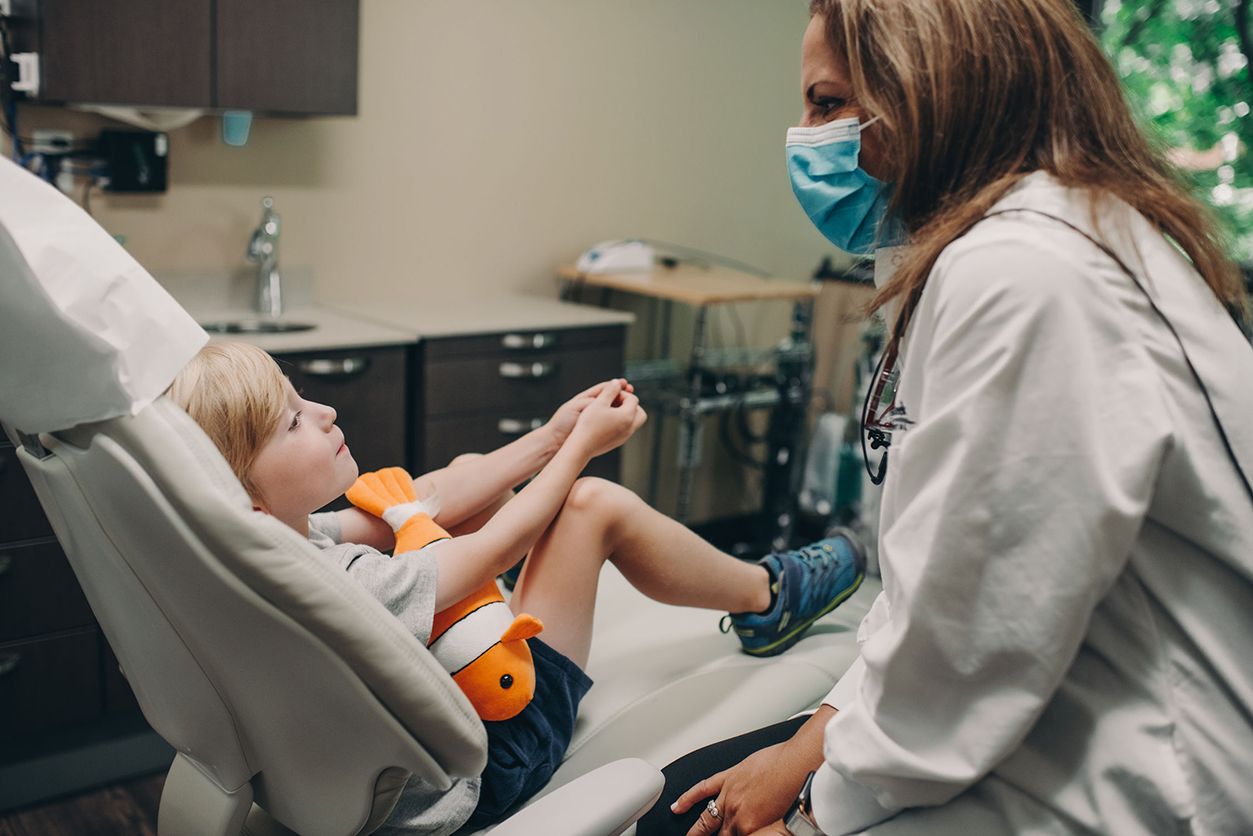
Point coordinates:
[[256, 326]]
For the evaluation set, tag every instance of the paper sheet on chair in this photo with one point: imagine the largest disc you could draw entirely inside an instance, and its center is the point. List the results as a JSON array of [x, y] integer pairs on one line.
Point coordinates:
[[85, 332]]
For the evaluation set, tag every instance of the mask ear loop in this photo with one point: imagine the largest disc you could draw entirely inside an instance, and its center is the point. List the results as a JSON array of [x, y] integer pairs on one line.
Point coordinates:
[[863, 125]]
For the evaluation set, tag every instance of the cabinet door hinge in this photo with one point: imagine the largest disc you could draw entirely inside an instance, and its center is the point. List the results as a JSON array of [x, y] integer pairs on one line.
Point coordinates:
[[27, 73]]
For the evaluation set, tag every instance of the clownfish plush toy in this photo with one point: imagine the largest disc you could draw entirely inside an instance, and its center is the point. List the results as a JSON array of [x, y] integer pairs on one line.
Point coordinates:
[[477, 640]]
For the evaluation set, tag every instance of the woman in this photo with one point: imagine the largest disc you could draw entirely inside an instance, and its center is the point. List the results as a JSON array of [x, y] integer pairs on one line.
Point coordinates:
[[1064, 643]]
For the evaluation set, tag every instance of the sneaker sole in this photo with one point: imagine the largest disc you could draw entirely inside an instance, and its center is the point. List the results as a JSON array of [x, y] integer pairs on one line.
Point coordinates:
[[781, 644]]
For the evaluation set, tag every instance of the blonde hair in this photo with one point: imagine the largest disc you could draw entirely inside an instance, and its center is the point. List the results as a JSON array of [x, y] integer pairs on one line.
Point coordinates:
[[235, 392], [976, 94]]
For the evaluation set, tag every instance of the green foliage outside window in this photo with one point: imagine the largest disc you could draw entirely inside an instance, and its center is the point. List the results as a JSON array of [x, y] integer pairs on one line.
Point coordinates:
[[1186, 68]]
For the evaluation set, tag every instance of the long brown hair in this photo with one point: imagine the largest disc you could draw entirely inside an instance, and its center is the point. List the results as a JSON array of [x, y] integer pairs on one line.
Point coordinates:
[[976, 94]]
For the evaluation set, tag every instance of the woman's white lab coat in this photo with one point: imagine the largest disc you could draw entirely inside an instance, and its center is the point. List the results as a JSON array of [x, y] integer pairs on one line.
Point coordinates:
[[1064, 643]]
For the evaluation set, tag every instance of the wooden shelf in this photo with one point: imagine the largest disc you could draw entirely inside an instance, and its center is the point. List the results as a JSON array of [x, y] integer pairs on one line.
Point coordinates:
[[694, 285]]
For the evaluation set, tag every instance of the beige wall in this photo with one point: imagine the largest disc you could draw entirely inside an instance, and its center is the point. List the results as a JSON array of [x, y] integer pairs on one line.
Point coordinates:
[[498, 138]]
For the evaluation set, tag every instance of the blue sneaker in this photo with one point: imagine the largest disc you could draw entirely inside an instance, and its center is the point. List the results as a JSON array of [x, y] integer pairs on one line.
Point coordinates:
[[807, 584]]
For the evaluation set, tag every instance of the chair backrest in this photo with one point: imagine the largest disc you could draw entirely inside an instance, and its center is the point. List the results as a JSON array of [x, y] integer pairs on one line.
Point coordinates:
[[253, 656]]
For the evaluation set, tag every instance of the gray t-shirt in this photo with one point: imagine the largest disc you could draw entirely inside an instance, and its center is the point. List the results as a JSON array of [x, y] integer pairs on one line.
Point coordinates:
[[405, 584]]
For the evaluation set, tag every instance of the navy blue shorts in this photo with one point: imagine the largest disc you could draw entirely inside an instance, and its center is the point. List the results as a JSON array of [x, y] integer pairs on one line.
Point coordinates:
[[524, 751]]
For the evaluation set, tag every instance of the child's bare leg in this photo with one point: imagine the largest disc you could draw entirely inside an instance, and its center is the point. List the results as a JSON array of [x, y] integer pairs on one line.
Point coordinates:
[[665, 560]]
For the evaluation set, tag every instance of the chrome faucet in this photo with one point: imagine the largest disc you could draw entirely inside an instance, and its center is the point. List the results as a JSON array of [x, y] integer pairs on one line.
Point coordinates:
[[263, 249]]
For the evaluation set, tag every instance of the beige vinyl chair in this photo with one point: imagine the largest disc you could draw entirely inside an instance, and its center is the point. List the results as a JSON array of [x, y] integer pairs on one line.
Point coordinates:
[[276, 678]]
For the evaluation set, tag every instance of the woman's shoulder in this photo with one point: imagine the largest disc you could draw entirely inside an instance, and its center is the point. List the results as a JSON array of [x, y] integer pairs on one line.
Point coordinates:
[[1038, 245]]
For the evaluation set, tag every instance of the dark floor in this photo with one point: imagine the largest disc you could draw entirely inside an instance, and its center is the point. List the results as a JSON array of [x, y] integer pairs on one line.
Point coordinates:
[[126, 809]]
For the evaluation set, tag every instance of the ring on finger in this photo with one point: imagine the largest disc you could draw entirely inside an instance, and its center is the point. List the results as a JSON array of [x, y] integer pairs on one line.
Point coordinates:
[[712, 809]]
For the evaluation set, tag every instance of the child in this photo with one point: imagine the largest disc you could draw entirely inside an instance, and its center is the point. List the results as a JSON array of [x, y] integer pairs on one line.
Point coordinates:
[[292, 459]]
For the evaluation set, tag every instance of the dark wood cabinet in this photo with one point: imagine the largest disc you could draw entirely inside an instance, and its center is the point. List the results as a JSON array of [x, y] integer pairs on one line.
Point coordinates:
[[50, 673], [49, 682], [287, 56], [475, 394], [270, 56], [38, 592], [137, 52]]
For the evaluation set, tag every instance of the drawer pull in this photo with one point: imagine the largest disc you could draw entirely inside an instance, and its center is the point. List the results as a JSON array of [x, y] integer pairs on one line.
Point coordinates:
[[518, 426], [346, 367], [533, 371], [6, 563], [522, 341], [8, 662]]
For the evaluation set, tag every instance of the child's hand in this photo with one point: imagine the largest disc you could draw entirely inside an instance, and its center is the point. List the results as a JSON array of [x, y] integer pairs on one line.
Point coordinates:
[[567, 415], [608, 420]]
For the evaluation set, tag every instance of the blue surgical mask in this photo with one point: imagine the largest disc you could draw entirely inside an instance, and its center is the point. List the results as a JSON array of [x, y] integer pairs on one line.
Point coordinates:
[[847, 205]]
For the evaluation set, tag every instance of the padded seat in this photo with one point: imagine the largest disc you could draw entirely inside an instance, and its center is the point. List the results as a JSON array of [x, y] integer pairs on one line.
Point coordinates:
[[668, 682]]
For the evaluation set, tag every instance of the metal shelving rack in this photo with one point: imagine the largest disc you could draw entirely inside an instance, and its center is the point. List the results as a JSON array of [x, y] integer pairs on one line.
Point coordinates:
[[670, 389]]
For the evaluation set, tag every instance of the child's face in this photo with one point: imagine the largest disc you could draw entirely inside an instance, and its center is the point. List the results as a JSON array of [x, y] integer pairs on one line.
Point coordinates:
[[304, 464]]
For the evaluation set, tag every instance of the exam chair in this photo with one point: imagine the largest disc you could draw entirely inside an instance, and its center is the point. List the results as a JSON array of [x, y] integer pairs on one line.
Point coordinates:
[[278, 680]]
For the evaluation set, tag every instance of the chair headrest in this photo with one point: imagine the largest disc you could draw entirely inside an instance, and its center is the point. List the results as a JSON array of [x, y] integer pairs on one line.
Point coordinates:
[[85, 332]]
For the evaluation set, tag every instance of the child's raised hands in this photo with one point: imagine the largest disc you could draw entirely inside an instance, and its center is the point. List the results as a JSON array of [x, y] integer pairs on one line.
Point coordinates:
[[609, 419], [567, 414]]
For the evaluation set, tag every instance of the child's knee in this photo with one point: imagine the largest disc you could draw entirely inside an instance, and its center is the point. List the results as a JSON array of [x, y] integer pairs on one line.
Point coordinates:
[[464, 458], [591, 494]]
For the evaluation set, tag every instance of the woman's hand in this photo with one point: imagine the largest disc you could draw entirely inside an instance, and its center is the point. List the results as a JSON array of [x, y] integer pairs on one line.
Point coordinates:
[[755, 794], [567, 415], [609, 420]]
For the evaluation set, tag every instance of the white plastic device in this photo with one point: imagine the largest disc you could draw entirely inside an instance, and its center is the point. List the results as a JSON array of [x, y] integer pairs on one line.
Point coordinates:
[[630, 256]]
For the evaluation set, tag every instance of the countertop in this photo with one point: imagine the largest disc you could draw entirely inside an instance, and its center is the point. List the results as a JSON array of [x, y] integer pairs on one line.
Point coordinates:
[[218, 296], [460, 316]]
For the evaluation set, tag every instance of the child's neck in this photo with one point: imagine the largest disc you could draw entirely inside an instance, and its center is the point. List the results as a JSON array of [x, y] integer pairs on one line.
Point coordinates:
[[298, 524]]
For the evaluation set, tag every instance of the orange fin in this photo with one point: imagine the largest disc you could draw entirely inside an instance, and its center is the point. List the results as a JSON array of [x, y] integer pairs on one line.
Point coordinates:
[[523, 627]]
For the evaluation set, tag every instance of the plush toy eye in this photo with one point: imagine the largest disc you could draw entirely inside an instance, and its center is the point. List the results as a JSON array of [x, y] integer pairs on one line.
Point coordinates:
[[506, 682]]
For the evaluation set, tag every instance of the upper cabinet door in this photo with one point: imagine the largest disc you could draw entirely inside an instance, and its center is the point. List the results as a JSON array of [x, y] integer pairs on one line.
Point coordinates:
[[137, 52], [287, 56]]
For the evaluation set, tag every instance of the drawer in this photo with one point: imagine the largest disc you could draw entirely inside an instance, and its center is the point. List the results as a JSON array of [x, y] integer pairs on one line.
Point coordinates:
[[118, 696], [367, 389], [450, 437], [21, 516], [524, 343], [541, 380], [38, 592], [49, 682]]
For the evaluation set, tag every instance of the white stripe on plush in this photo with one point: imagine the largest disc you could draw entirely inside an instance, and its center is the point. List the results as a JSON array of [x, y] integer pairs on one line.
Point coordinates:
[[470, 637]]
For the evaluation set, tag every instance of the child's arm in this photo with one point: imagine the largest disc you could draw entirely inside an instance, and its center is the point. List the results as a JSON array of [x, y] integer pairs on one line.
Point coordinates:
[[465, 563], [357, 526], [471, 486]]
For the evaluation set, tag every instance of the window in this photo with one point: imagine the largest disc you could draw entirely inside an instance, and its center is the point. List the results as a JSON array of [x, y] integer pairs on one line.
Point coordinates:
[[1187, 71]]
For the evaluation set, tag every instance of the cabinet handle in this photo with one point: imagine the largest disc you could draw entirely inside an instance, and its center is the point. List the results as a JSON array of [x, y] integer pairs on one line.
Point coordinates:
[[8, 662], [518, 426], [522, 341], [6, 563], [533, 371], [346, 367]]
